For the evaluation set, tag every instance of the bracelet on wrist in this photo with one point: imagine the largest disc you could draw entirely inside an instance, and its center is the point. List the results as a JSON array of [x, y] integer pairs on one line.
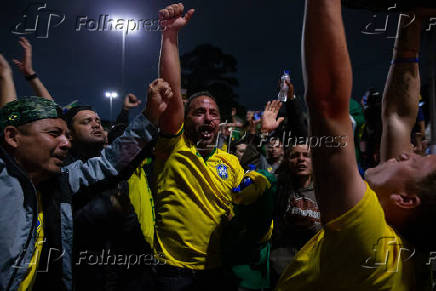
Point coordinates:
[[31, 77], [404, 61]]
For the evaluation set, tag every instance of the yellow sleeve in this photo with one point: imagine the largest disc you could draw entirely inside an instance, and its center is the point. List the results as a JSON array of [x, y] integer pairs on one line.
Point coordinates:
[[251, 193], [142, 202], [356, 251], [363, 243]]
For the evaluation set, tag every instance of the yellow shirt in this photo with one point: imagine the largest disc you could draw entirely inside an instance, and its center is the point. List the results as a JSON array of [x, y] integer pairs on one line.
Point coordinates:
[[28, 281], [142, 201], [191, 196], [356, 251]]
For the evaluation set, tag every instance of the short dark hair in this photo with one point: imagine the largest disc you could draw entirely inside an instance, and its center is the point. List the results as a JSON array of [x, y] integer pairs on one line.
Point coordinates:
[[69, 115], [196, 95]]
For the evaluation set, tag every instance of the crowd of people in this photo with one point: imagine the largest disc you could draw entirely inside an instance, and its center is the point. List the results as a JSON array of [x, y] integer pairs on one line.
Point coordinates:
[[316, 193]]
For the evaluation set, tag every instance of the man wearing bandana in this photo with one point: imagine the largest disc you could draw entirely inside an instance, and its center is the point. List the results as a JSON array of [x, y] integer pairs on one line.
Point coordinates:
[[36, 190]]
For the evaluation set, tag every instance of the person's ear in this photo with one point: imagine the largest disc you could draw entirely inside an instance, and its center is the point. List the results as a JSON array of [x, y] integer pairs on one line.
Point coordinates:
[[406, 201], [11, 136]]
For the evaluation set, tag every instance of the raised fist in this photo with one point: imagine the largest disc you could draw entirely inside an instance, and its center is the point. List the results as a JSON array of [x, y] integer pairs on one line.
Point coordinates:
[[158, 95], [172, 18], [131, 101]]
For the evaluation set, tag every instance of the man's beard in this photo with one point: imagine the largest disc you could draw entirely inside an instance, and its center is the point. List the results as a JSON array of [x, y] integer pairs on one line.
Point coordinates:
[[206, 145], [205, 141]]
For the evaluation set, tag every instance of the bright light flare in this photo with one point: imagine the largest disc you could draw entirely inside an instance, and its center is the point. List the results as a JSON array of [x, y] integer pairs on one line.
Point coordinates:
[[111, 95], [126, 24]]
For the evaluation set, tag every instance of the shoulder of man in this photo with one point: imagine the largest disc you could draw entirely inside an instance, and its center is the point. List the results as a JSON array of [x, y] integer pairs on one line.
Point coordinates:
[[231, 159]]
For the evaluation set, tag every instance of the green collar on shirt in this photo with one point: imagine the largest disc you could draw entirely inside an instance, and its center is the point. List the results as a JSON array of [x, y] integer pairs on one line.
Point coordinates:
[[206, 158]]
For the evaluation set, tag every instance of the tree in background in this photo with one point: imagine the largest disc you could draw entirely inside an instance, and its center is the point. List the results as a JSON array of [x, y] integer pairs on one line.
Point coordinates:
[[207, 68]]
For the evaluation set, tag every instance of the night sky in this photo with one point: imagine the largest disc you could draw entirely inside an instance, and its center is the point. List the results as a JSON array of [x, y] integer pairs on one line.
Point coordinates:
[[264, 37]]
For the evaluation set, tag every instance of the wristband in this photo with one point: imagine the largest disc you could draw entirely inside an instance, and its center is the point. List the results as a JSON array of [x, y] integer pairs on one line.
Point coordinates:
[[31, 77], [404, 61]]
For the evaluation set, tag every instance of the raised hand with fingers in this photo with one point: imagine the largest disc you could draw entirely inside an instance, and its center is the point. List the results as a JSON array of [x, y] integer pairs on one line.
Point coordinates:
[[172, 18], [158, 96], [269, 118], [25, 65], [130, 102]]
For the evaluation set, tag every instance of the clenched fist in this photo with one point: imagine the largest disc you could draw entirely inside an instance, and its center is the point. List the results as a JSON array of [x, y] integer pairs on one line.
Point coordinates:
[[172, 18], [158, 95], [131, 101]]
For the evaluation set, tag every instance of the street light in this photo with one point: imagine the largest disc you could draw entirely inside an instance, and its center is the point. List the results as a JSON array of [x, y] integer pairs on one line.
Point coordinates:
[[124, 32], [111, 95]]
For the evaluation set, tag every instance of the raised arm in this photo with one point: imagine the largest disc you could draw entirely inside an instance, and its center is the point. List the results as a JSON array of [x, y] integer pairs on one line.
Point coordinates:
[[328, 80], [7, 87], [130, 102], [115, 157], [122, 121], [172, 20], [25, 66], [401, 95]]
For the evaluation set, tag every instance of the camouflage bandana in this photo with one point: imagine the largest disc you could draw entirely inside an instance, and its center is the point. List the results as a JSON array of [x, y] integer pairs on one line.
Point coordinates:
[[28, 109]]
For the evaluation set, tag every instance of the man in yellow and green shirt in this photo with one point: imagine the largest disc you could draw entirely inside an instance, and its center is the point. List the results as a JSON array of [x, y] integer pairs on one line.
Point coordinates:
[[377, 233], [193, 180]]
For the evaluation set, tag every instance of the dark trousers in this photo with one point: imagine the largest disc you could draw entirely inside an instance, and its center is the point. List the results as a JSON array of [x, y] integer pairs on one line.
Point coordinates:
[[169, 278]]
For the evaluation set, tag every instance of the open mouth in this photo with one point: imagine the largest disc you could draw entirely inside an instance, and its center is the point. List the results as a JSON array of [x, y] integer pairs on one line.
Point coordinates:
[[60, 158], [97, 133], [301, 168], [206, 132]]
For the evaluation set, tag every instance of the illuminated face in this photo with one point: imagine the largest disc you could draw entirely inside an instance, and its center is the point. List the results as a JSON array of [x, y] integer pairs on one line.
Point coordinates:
[[42, 146], [300, 161], [202, 121], [86, 128], [399, 176], [240, 150], [249, 115], [274, 150]]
